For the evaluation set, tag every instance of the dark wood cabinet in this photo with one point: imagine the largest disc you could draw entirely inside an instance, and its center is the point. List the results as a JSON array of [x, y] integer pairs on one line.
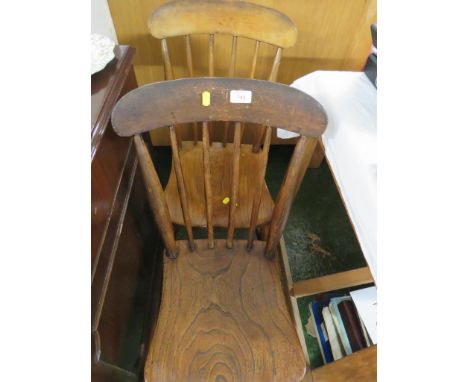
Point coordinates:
[[125, 255]]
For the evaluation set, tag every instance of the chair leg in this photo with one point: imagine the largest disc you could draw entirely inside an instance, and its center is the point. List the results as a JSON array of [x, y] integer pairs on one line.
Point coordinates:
[[262, 232], [317, 155]]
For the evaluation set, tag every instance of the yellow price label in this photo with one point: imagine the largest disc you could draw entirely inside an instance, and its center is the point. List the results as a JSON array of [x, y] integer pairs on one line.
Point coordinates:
[[206, 98], [226, 200]]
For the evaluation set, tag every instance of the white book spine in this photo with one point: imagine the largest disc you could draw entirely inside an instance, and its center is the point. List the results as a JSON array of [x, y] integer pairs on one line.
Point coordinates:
[[332, 335]]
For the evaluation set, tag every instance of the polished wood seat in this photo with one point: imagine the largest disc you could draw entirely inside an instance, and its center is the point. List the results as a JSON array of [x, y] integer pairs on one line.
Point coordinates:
[[191, 158], [223, 317], [223, 313]]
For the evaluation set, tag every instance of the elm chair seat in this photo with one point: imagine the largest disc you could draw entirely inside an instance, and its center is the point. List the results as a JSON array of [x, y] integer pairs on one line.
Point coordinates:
[[223, 317]]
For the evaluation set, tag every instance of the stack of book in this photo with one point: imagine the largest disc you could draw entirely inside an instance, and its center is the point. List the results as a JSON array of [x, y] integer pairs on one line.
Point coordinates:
[[339, 327]]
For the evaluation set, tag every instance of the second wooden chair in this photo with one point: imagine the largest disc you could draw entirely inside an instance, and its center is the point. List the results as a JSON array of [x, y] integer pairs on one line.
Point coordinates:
[[184, 18]]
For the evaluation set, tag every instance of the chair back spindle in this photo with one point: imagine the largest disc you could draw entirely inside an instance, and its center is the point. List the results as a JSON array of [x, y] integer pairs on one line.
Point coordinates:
[[294, 175], [234, 184], [168, 70], [181, 185], [258, 190], [275, 66], [211, 56], [188, 52], [253, 67], [231, 73], [156, 197], [207, 182], [211, 74]]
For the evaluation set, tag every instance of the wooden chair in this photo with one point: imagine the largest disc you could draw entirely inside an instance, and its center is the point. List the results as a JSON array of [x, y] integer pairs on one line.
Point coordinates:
[[238, 19], [223, 313]]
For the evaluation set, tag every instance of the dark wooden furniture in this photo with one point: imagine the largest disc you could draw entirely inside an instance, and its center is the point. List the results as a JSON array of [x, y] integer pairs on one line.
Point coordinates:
[[123, 243], [183, 18], [223, 316]]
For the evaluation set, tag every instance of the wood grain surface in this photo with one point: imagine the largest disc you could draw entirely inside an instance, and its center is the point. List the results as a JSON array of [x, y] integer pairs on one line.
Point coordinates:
[[221, 162], [223, 318], [158, 105], [335, 281], [332, 35], [357, 367], [237, 18]]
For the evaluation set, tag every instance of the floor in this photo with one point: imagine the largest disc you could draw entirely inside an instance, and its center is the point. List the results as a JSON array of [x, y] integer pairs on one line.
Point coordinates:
[[317, 215]]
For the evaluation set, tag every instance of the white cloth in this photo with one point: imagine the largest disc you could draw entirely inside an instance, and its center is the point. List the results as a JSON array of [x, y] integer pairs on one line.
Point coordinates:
[[102, 52], [350, 141], [285, 134]]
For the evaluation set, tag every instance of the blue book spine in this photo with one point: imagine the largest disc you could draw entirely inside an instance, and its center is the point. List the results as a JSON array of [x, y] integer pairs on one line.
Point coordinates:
[[316, 308]]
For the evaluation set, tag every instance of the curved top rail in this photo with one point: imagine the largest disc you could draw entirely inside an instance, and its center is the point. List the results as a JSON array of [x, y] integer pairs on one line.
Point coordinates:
[[237, 18], [168, 103]]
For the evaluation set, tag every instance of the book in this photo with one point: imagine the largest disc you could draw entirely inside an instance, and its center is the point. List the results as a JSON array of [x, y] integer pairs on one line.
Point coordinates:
[[314, 330], [337, 320], [352, 325], [366, 304], [335, 343], [324, 343], [364, 331], [321, 331]]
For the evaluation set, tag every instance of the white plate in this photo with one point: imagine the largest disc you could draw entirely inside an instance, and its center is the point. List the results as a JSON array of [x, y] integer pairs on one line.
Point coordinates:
[[102, 52]]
